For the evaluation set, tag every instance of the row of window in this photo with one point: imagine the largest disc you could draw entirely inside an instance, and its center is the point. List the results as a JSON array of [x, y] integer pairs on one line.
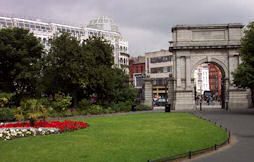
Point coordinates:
[[160, 82], [213, 73], [6, 23], [72, 31], [165, 69], [161, 59], [139, 71], [213, 86], [124, 61], [213, 80]]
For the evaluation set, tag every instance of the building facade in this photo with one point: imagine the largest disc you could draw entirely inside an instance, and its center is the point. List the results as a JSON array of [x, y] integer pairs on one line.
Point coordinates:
[[215, 79], [201, 77], [137, 71], [159, 65], [124, 61], [100, 27]]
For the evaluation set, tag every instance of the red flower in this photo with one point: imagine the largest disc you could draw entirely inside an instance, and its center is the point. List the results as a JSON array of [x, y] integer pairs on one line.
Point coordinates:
[[67, 125]]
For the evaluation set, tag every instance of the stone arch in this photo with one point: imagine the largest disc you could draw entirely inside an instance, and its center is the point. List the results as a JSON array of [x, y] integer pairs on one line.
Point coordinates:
[[217, 44], [225, 74]]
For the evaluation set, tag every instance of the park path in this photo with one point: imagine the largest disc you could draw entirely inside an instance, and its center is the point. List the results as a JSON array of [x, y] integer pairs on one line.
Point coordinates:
[[241, 124]]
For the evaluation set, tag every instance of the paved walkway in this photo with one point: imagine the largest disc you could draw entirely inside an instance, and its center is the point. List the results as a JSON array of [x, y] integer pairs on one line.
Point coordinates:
[[241, 124]]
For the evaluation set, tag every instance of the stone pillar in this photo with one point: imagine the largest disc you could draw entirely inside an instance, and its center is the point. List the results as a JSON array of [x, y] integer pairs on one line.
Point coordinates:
[[178, 71], [171, 92], [148, 92], [188, 73]]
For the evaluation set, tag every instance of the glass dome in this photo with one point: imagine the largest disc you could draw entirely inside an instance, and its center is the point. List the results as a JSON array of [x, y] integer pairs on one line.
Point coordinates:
[[103, 23]]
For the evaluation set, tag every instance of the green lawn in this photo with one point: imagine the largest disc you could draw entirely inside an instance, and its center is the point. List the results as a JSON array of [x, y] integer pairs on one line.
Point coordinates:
[[132, 137]]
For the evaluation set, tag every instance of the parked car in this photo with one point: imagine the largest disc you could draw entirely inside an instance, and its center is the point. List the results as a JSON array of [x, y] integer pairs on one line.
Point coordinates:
[[208, 94], [160, 102]]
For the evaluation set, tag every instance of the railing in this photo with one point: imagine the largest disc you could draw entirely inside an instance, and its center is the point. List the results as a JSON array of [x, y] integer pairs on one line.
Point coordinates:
[[192, 153]]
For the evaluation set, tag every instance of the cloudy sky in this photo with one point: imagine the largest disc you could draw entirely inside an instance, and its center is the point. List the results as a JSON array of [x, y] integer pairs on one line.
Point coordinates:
[[146, 24]]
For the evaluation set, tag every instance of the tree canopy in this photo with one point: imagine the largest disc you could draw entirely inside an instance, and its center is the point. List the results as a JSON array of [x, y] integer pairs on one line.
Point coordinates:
[[20, 53], [79, 69], [244, 74]]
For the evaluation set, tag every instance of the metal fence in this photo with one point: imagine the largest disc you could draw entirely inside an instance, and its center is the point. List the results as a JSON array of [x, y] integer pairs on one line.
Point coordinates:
[[192, 153]]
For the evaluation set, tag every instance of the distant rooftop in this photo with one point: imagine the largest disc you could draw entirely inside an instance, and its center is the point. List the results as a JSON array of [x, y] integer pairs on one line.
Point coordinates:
[[207, 26], [103, 23]]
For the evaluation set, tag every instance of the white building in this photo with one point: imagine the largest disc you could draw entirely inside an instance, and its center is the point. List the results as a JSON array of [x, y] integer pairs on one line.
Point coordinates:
[[201, 77], [101, 27], [159, 65]]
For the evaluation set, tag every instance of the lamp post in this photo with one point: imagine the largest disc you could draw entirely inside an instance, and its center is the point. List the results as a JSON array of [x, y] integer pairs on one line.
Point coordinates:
[[167, 105]]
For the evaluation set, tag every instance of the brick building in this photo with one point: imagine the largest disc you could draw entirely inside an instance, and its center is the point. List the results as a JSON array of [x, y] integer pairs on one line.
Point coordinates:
[[215, 79], [137, 70]]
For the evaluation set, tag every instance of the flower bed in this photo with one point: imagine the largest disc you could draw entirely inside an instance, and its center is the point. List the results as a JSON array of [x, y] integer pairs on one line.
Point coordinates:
[[23, 129]]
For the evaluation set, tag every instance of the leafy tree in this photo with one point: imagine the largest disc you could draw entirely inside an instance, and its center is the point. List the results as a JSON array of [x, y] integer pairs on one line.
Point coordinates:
[[99, 56], [20, 54], [121, 91], [244, 75], [64, 69]]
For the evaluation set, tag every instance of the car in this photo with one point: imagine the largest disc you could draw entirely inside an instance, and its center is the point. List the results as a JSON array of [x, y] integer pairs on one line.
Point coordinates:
[[160, 102], [208, 94]]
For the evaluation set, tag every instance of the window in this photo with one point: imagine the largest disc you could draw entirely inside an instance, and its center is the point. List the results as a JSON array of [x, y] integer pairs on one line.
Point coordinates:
[[21, 24], [165, 69], [161, 69], [136, 69], [161, 59]]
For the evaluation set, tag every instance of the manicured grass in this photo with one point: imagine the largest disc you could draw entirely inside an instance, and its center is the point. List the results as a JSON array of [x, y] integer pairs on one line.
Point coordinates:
[[132, 137]]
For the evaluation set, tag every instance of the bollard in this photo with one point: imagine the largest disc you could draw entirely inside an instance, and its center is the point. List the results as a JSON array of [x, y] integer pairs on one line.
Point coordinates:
[[189, 154], [133, 107]]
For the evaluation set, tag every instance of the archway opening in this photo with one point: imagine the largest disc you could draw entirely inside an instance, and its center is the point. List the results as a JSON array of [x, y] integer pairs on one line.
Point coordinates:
[[209, 85]]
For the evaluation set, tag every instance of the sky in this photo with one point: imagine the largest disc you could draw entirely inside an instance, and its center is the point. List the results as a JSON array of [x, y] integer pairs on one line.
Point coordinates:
[[146, 24]]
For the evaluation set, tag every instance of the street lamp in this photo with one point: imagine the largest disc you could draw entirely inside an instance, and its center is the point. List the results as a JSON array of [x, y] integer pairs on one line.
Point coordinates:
[[167, 105]]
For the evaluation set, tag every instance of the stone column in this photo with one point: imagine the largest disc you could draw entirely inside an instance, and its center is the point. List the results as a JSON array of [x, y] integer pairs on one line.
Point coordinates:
[[148, 92], [171, 92], [178, 71], [188, 73]]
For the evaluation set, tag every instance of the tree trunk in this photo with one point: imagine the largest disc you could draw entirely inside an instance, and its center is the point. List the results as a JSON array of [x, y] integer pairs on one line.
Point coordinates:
[[252, 96], [75, 99]]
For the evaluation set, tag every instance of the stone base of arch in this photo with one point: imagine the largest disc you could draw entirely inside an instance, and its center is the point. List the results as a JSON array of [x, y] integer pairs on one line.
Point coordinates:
[[184, 100], [239, 98]]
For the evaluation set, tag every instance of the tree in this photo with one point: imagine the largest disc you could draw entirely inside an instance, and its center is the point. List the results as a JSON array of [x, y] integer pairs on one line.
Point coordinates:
[[65, 67], [99, 55], [244, 74], [121, 89], [20, 54]]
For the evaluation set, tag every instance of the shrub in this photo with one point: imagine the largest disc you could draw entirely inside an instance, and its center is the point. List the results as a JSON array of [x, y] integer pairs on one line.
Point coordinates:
[[122, 106], [108, 110], [67, 113], [95, 109], [31, 110], [5, 99], [45, 101], [61, 103], [6, 114], [84, 104], [142, 107]]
